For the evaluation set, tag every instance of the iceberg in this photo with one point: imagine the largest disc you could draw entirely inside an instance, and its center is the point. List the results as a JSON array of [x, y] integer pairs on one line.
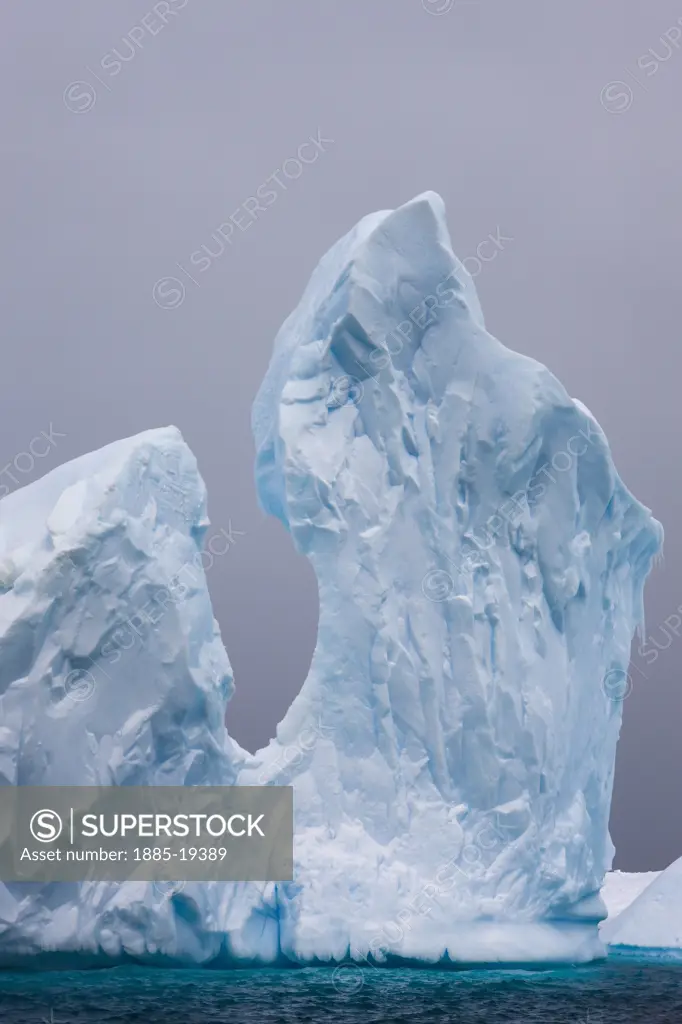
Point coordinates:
[[652, 921], [112, 672], [481, 570]]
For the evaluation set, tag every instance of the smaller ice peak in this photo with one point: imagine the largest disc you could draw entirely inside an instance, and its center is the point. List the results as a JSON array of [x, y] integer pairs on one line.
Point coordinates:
[[654, 919], [52, 506], [112, 669]]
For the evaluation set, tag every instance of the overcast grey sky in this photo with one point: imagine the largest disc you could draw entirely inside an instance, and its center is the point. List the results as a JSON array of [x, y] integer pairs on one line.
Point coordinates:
[[118, 166]]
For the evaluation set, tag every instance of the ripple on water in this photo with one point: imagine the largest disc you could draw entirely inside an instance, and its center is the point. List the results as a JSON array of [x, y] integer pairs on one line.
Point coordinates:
[[606, 993]]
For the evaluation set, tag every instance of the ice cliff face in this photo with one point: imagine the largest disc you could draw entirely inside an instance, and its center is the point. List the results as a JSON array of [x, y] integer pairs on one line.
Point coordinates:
[[480, 569]]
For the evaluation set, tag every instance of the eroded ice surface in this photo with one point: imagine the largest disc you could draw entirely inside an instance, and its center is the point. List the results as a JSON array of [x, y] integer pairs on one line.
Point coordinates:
[[480, 569]]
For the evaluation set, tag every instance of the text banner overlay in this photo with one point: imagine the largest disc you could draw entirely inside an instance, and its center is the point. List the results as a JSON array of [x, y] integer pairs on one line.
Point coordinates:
[[146, 833]]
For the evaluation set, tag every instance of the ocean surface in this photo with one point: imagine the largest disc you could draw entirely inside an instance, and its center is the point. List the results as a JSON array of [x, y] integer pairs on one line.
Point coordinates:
[[610, 992]]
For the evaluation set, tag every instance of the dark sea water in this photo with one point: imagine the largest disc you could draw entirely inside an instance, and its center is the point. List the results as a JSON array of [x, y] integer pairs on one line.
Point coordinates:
[[610, 992]]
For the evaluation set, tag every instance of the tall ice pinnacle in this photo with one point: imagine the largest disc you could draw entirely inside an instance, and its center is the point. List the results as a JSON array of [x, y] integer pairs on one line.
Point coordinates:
[[480, 568]]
